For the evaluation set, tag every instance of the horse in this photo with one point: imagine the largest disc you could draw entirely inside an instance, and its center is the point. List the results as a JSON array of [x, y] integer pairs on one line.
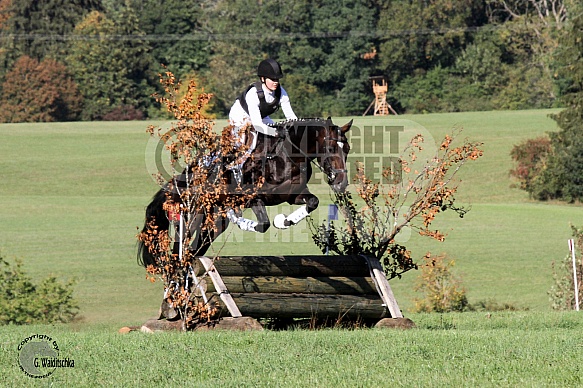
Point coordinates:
[[283, 165]]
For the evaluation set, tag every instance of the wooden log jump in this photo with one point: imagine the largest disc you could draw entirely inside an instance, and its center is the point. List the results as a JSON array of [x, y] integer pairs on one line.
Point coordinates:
[[329, 287]]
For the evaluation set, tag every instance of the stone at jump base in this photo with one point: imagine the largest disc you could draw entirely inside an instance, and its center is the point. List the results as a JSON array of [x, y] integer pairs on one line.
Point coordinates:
[[227, 323], [395, 323]]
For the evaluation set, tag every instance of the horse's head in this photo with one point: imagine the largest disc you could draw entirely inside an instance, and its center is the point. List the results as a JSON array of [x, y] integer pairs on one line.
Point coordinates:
[[332, 152]]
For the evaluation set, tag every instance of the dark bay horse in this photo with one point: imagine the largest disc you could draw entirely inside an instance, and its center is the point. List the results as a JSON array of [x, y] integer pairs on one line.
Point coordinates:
[[283, 165]]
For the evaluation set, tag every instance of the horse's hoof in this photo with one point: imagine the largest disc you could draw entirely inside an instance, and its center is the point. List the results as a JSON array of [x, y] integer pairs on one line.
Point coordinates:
[[280, 221]]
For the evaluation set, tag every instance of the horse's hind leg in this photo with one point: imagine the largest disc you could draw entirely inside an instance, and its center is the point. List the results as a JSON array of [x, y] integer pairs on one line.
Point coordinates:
[[262, 223]]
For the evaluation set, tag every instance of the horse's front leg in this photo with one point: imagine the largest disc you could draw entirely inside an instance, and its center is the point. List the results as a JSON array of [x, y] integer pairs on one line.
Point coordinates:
[[310, 202]]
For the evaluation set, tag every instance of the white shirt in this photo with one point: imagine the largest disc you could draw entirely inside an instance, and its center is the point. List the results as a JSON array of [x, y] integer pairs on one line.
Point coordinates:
[[240, 118]]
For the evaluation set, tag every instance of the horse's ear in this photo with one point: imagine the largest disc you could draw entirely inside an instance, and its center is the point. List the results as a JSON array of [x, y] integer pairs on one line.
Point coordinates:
[[346, 127]]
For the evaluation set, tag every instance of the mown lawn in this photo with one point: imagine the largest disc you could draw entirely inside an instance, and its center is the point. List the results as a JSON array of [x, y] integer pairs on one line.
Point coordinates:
[[466, 350]]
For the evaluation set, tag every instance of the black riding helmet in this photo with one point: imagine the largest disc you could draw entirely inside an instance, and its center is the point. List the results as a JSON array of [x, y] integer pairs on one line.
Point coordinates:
[[269, 68]]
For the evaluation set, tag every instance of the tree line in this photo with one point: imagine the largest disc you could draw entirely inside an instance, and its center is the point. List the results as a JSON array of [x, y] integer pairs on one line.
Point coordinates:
[[63, 60]]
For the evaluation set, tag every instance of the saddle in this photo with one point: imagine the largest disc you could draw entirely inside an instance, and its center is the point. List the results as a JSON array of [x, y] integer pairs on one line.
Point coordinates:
[[236, 163]]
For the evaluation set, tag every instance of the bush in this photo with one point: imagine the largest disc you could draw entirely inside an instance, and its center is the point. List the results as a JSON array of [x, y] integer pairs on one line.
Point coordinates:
[[443, 291], [23, 302], [124, 113], [371, 222], [562, 293], [530, 157]]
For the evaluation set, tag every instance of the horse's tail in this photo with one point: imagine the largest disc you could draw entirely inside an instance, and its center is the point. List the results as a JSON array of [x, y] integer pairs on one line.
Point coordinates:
[[155, 216]]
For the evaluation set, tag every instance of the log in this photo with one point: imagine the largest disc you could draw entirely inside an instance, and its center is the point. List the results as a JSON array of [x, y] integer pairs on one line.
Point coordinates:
[[269, 305], [304, 285], [293, 266]]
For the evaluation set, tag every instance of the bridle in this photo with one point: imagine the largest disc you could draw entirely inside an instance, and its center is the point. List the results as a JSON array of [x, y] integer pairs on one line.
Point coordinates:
[[330, 172], [333, 172]]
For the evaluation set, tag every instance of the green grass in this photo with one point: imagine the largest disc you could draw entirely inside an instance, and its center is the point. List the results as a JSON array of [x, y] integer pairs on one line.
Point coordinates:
[[72, 196], [465, 350]]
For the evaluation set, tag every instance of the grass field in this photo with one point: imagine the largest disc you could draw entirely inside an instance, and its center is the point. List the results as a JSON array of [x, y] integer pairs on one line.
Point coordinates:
[[73, 194], [452, 350]]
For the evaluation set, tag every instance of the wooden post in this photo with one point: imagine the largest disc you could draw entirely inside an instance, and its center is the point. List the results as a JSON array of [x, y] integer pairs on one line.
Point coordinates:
[[575, 280], [383, 287], [220, 286]]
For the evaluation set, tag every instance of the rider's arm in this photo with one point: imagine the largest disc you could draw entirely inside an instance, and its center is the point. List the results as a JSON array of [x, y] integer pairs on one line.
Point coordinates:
[[286, 106], [255, 114]]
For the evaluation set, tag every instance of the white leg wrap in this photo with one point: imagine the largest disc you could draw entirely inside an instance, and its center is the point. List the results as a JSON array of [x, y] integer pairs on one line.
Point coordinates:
[[232, 216], [298, 215], [247, 225], [279, 221], [242, 223]]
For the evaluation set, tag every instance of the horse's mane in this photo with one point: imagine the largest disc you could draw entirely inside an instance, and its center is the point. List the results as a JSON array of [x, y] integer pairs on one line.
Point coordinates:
[[317, 122]]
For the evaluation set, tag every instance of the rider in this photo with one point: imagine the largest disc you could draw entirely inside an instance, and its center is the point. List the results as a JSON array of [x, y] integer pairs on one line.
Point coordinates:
[[254, 106]]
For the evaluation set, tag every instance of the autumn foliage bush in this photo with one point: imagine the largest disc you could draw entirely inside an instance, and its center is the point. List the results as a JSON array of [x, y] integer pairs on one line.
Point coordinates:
[[411, 194], [36, 91], [195, 197], [530, 158], [442, 290]]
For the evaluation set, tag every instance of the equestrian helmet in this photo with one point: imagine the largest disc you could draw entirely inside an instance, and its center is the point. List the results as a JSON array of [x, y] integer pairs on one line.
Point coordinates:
[[269, 68]]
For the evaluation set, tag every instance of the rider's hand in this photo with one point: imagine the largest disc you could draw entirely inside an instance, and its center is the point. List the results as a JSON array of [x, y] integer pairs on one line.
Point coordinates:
[[281, 133]]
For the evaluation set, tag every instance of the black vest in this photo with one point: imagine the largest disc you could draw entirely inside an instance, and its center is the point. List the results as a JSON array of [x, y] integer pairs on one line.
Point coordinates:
[[265, 108]]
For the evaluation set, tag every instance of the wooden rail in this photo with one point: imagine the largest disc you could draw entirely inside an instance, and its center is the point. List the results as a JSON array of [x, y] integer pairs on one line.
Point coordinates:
[[334, 287]]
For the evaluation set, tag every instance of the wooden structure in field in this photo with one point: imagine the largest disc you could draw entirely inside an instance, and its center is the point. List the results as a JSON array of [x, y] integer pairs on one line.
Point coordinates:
[[329, 287], [381, 106], [333, 289]]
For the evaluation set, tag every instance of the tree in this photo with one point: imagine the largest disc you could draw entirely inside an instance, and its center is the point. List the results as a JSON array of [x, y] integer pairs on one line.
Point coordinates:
[[5, 13], [111, 64], [563, 176], [39, 91], [176, 33], [319, 43], [41, 27], [531, 32], [419, 34], [195, 197], [335, 63]]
